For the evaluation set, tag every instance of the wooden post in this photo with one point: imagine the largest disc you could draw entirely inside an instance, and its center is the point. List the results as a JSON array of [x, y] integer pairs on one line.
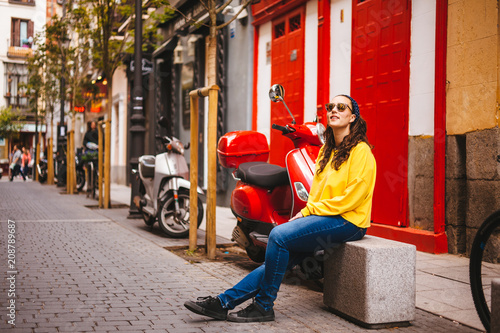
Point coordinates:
[[107, 163], [50, 163], [193, 175], [100, 163], [210, 239], [212, 171]]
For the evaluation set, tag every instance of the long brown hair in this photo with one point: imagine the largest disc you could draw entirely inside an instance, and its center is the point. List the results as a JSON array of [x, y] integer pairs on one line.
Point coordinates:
[[343, 151]]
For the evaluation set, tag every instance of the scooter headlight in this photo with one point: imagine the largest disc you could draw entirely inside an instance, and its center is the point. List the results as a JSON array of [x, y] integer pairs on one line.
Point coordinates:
[[177, 147], [301, 191], [320, 131]]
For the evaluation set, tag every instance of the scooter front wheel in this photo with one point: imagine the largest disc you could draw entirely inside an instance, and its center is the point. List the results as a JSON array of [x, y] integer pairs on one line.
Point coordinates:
[[176, 224]]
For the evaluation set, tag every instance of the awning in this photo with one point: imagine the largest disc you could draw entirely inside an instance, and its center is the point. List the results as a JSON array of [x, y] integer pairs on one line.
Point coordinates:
[[30, 128]]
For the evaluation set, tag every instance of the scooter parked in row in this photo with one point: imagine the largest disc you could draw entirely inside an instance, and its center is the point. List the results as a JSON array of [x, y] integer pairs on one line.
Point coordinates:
[[164, 189], [267, 195]]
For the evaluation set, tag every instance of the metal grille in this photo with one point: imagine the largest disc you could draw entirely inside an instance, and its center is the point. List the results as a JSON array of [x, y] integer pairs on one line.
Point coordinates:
[[221, 106], [295, 23], [159, 105], [279, 30]]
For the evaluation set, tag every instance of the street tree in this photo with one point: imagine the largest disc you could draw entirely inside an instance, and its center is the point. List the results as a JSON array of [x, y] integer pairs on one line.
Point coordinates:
[[10, 124], [213, 8], [110, 30]]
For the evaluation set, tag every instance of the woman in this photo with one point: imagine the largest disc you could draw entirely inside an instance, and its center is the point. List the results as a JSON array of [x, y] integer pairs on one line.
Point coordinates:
[[338, 210], [26, 159]]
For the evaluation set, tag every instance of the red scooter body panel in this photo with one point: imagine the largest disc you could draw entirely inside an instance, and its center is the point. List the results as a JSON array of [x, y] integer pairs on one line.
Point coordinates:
[[259, 204], [300, 163], [239, 147], [304, 135]]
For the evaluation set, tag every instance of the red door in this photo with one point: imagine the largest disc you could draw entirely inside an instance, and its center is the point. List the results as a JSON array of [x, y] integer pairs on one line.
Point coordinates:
[[287, 69], [380, 84]]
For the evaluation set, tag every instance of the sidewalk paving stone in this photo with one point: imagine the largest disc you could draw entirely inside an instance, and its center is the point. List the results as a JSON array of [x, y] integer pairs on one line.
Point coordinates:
[[88, 270]]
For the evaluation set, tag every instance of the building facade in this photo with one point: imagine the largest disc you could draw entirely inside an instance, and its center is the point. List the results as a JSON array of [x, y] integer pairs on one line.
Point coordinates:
[[425, 74], [20, 20]]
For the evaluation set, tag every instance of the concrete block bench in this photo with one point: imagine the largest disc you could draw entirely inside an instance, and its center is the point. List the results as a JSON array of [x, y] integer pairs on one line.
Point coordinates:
[[371, 282]]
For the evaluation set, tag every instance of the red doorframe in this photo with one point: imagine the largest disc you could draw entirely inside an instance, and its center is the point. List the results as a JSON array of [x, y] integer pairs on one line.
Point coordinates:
[[324, 33], [427, 241]]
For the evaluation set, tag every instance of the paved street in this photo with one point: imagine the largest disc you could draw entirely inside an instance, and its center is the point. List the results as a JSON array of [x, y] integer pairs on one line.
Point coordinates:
[[89, 270]]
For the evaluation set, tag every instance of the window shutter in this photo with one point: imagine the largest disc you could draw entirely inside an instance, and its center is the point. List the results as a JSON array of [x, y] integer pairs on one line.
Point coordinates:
[[13, 32], [30, 29]]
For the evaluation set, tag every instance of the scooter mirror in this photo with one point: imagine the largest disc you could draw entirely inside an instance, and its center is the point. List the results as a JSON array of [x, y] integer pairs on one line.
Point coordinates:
[[163, 122], [277, 93]]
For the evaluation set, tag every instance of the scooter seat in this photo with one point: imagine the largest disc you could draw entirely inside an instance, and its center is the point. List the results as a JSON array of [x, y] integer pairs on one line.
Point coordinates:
[[262, 174], [147, 165]]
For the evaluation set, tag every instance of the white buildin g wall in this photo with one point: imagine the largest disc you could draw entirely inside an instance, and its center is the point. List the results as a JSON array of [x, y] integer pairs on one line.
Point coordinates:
[[20, 20]]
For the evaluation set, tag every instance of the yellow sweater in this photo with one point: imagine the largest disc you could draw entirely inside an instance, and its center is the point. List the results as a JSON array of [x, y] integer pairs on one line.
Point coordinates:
[[348, 191]]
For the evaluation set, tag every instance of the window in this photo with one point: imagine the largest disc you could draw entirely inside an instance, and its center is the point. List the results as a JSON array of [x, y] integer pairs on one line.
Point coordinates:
[[295, 23], [279, 30], [21, 33], [16, 75]]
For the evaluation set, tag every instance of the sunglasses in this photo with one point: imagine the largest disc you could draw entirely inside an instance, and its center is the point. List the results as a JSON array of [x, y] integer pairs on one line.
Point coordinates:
[[340, 106]]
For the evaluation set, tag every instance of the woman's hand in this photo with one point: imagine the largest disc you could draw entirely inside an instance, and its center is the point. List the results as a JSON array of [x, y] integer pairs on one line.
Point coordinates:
[[297, 216]]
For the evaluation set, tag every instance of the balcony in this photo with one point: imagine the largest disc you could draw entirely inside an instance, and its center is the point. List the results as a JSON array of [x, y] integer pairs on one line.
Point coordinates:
[[19, 52]]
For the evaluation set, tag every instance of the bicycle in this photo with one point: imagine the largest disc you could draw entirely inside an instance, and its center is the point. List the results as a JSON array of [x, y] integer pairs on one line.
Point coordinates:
[[485, 265]]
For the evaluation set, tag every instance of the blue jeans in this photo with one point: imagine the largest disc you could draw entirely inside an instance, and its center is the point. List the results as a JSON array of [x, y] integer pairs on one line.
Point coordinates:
[[289, 244]]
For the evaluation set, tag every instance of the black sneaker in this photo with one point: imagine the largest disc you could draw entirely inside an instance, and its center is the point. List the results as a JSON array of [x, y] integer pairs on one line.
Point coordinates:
[[207, 306], [252, 313]]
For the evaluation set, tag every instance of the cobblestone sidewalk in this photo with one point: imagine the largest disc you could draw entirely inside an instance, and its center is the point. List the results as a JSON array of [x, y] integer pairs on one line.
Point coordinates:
[[79, 271]]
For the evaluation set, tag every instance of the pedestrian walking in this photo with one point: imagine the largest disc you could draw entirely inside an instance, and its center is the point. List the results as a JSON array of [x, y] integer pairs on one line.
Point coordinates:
[[25, 162], [338, 210], [16, 163]]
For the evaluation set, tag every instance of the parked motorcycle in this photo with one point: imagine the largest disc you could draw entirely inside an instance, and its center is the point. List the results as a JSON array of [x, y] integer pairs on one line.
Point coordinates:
[[80, 170], [164, 189], [268, 195], [42, 170], [89, 160], [60, 169]]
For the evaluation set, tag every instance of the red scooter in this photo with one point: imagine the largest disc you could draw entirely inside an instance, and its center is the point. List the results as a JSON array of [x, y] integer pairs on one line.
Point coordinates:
[[267, 195]]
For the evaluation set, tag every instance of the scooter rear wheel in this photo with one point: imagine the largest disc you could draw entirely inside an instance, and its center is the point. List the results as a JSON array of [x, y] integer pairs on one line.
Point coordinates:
[[177, 226]]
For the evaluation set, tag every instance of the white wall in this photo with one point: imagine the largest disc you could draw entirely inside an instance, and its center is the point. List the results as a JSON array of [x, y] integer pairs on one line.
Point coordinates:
[[37, 14], [340, 61], [422, 67], [119, 95], [311, 61], [119, 126], [264, 81]]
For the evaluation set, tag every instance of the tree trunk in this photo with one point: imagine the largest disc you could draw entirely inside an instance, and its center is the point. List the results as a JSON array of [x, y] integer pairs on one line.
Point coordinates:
[[211, 59]]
